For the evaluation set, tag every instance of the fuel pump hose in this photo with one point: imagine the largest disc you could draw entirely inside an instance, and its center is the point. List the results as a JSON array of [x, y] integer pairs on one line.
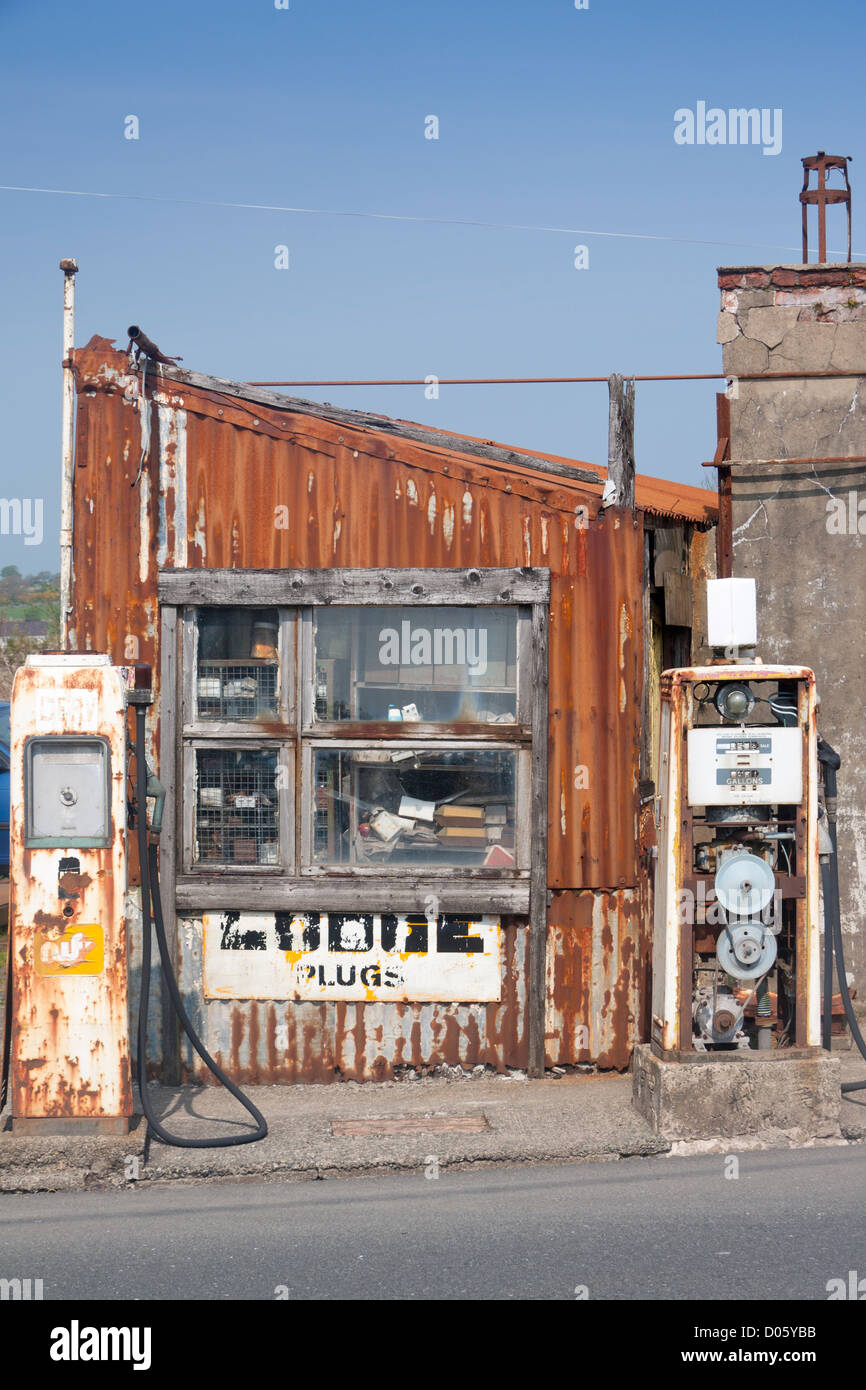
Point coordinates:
[[149, 874], [833, 946]]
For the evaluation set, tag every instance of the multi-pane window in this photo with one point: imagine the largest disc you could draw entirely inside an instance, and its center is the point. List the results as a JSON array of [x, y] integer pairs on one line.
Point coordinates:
[[371, 739]]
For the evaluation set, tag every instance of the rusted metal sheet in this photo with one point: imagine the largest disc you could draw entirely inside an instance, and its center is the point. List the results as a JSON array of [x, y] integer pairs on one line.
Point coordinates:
[[260, 492], [327, 507], [598, 985], [285, 1041], [231, 483]]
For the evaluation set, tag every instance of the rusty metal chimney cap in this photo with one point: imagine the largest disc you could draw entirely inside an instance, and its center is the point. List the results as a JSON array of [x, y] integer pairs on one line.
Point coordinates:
[[831, 161]]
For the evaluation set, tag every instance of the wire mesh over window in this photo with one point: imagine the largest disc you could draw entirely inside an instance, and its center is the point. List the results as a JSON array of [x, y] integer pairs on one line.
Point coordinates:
[[237, 807], [238, 664], [238, 691]]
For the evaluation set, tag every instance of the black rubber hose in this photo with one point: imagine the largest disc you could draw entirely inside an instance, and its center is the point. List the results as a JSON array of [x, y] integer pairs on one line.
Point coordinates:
[[830, 763], [833, 946], [842, 974], [829, 957], [149, 874]]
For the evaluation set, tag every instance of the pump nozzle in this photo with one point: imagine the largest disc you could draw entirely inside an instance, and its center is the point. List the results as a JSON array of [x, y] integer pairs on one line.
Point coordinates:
[[156, 790]]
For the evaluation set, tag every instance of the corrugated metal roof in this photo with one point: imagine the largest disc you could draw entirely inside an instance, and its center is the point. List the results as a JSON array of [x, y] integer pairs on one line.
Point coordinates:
[[658, 496]]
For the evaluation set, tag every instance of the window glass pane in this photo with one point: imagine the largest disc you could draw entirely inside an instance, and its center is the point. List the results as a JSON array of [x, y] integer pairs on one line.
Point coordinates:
[[238, 665], [377, 808], [439, 665], [236, 807]]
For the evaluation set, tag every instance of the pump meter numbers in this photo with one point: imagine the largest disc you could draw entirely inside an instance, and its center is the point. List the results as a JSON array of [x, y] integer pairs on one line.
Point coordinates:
[[756, 765]]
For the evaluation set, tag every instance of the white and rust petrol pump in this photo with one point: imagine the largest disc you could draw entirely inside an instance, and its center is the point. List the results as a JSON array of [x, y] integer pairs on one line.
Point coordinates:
[[69, 1055], [736, 935]]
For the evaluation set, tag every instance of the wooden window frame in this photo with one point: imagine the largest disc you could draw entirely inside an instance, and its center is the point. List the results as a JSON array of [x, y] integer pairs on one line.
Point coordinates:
[[272, 888]]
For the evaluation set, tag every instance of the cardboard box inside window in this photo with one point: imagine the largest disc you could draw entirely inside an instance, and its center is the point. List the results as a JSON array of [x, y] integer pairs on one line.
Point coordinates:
[[461, 815], [464, 835]]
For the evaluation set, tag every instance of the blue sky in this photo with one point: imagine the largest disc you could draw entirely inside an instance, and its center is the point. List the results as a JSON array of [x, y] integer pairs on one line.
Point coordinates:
[[548, 115]]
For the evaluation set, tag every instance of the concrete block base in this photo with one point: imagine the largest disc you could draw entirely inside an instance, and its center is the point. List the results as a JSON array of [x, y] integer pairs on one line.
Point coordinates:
[[726, 1095], [85, 1126]]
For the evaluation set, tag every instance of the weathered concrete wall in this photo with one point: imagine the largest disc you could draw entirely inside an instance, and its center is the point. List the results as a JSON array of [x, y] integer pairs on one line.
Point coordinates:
[[774, 1097], [800, 528]]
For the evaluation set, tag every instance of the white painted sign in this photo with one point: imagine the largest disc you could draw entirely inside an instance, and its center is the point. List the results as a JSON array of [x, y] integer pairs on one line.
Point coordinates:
[[67, 709], [351, 955]]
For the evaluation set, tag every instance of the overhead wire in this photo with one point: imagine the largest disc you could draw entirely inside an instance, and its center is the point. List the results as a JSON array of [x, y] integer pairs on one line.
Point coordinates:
[[403, 217]]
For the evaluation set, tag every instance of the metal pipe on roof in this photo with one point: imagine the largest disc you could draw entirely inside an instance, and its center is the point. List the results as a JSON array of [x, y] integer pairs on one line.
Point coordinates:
[[70, 269], [561, 380]]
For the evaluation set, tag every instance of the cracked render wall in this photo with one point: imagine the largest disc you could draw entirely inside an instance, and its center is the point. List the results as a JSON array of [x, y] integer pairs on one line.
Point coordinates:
[[800, 528]]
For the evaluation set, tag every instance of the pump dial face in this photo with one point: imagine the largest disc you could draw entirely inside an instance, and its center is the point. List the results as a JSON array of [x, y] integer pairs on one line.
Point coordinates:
[[67, 791], [746, 951]]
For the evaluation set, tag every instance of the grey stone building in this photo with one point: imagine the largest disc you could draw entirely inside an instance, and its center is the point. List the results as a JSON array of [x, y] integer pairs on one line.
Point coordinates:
[[796, 456]]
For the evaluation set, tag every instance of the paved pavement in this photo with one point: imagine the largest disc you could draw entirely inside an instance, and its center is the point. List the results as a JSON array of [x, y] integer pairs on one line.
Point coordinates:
[[350, 1129], [778, 1225]]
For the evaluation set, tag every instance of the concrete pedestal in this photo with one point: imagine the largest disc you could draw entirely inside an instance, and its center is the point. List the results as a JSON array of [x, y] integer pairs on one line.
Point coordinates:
[[86, 1125], [725, 1095]]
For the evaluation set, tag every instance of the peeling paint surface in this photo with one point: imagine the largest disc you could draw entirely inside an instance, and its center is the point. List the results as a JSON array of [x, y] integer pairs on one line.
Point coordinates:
[[356, 956], [70, 1039], [172, 529]]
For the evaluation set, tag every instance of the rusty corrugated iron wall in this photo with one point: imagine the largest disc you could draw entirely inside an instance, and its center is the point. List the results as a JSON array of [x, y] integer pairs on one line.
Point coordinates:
[[277, 1041], [230, 483]]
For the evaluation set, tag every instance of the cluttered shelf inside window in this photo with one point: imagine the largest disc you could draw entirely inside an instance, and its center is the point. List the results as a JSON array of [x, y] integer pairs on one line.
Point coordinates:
[[236, 807], [386, 808]]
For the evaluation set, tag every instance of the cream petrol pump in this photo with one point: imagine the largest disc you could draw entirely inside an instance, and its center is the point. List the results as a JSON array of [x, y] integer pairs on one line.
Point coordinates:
[[69, 1056], [736, 934], [69, 1050]]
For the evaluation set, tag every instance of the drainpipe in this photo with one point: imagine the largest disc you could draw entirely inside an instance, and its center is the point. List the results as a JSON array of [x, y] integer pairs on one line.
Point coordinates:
[[69, 268]]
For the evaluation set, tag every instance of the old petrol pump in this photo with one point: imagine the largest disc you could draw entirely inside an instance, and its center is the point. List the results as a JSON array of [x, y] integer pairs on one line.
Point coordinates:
[[736, 935], [69, 1055]]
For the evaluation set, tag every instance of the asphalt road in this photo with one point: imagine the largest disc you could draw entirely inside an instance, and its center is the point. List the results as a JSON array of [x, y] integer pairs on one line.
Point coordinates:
[[659, 1228]]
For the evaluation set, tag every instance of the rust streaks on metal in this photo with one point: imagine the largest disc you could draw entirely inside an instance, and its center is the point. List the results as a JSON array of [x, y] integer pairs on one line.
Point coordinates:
[[239, 484], [72, 1021], [598, 954], [266, 1043]]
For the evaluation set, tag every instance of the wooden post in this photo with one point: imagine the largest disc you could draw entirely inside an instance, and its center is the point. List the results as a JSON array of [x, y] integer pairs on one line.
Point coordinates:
[[620, 440], [170, 721], [538, 851]]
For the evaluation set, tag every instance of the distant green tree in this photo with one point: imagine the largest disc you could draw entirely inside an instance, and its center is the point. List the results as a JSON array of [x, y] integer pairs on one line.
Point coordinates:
[[11, 583]]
